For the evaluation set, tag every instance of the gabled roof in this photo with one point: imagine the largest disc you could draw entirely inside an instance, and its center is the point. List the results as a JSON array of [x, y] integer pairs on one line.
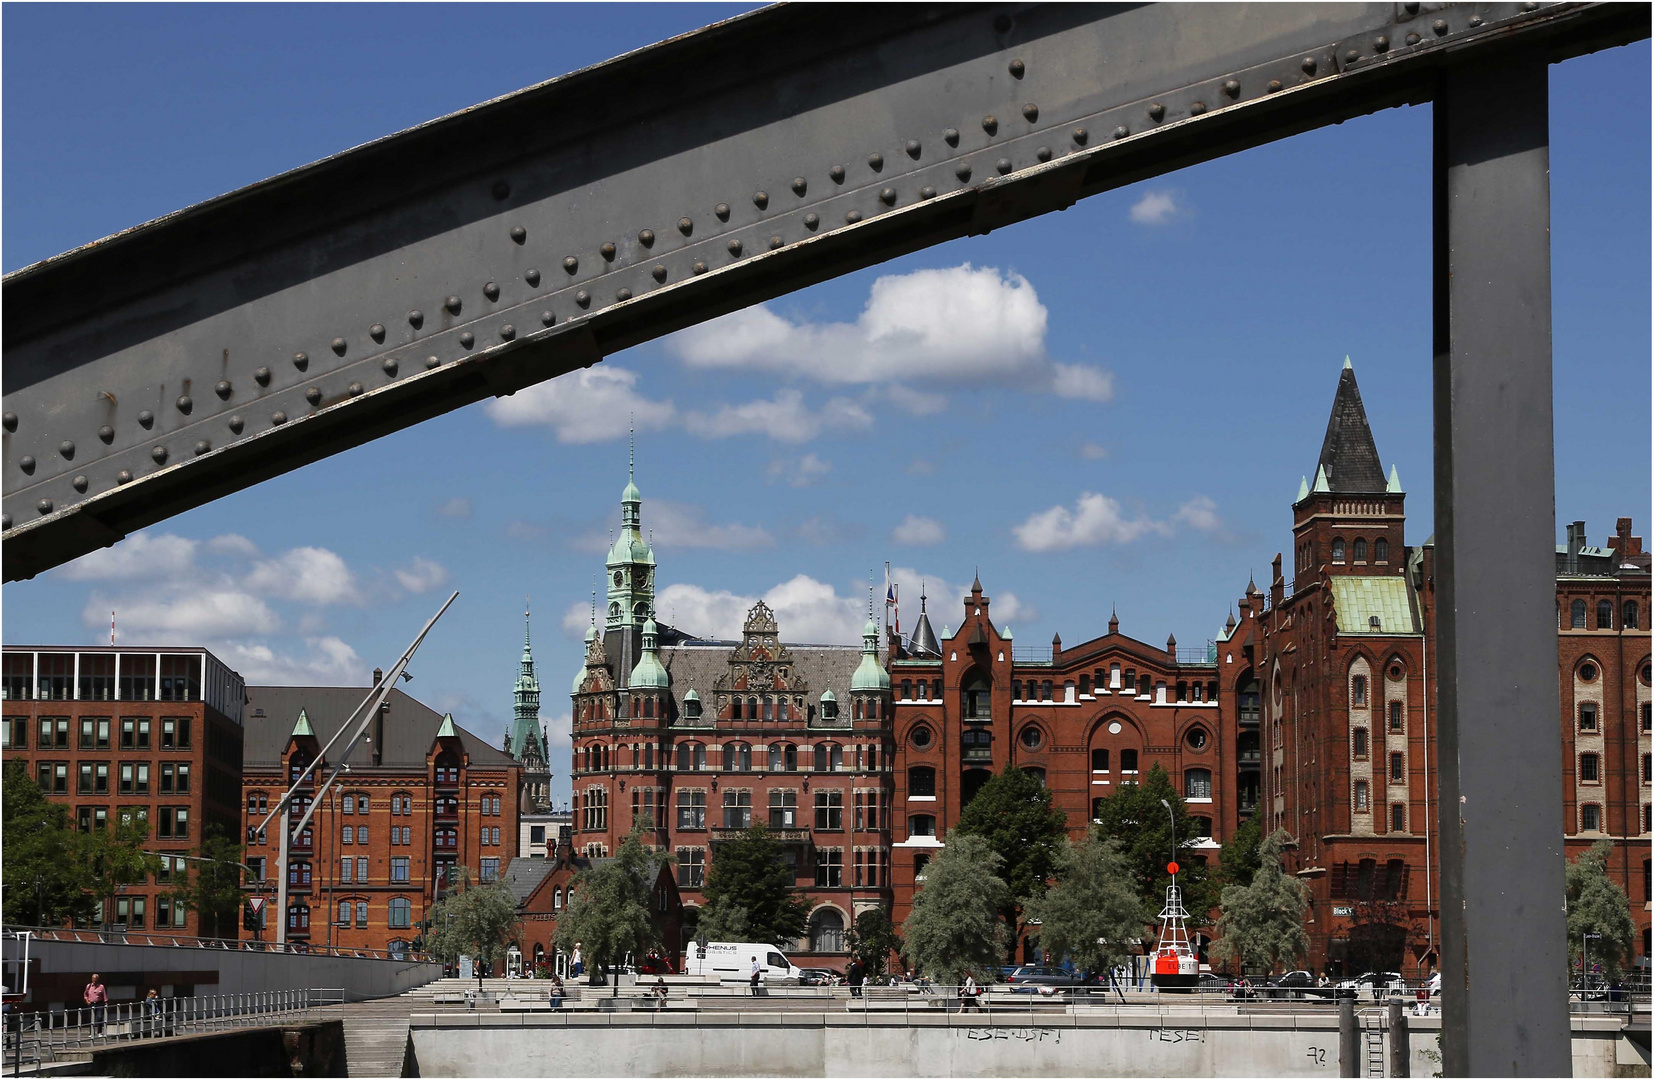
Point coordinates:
[[525, 874], [1357, 599], [1347, 452], [409, 730]]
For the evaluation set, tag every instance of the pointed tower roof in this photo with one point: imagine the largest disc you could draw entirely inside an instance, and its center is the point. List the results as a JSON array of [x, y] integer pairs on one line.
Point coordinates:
[[524, 735], [1113, 621], [1321, 482], [870, 675], [447, 731], [924, 638], [1303, 490], [648, 673], [302, 726], [1394, 484], [1348, 455]]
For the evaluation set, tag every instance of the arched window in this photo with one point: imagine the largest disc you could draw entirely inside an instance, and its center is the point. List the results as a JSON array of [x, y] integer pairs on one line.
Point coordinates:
[[974, 697], [738, 757], [298, 917], [1338, 551], [1197, 784], [1099, 760], [1128, 762], [1381, 550], [752, 708], [826, 931], [1360, 550], [1630, 622], [1576, 613], [921, 825], [921, 781], [447, 769], [829, 757], [1358, 690], [556, 898], [1605, 614]]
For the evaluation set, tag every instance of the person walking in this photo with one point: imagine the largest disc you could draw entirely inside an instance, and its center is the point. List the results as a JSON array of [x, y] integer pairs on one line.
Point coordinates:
[[854, 975], [756, 975], [152, 1013], [968, 994], [577, 965], [96, 996]]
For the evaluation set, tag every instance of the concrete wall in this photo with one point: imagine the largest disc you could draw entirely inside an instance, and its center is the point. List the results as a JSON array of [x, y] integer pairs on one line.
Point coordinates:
[[58, 970], [813, 1044]]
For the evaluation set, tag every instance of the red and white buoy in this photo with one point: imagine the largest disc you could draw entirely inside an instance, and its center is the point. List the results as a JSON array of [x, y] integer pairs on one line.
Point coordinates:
[[1176, 967]]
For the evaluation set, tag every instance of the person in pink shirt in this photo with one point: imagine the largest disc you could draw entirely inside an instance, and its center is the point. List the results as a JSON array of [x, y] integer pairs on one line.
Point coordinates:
[[96, 996]]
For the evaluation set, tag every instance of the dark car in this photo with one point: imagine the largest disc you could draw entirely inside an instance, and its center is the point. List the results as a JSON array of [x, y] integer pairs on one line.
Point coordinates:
[[1297, 986], [1030, 977], [817, 977], [1371, 984]]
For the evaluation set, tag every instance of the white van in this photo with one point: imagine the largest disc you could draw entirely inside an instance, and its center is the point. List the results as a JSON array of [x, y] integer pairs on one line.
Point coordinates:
[[731, 962]]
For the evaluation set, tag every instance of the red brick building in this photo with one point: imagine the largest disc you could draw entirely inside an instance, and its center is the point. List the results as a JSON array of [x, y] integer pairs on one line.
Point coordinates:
[[151, 733], [423, 796]]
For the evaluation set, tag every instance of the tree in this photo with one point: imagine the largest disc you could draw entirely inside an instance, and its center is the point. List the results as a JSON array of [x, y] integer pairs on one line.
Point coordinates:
[[473, 920], [1013, 813], [954, 926], [872, 939], [115, 854], [1134, 816], [47, 878], [1597, 905], [1239, 859], [749, 892], [610, 914], [1089, 913], [1263, 922], [213, 891]]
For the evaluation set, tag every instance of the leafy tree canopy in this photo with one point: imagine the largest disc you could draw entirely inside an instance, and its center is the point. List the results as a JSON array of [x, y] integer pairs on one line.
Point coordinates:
[[610, 914], [1134, 816], [1013, 813], [47, 874], [1597, 905], [1092, 909], [473, 920], [1262, 922], [749, 893], [872, 939], [1239, 858], [954, 926], [213, 887]]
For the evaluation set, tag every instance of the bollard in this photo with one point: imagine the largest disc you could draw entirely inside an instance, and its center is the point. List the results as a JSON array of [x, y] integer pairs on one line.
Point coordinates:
[[1401, 1046], [1349, 1046]]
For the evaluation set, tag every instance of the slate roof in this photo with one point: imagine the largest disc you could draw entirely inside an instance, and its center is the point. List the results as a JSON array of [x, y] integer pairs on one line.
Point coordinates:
[[1347, 452], [525, 873], [822, 667], [409, 730], [1356, 599]]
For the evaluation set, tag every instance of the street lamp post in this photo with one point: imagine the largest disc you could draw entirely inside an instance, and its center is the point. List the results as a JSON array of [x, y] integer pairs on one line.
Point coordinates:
[[1585, 961]]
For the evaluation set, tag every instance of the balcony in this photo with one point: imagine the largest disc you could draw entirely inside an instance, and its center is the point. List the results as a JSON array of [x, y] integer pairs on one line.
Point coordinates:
[[1250, 757]]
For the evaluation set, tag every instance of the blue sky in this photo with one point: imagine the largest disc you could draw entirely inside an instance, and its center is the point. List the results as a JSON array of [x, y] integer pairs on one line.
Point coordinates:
[[1172, 351]]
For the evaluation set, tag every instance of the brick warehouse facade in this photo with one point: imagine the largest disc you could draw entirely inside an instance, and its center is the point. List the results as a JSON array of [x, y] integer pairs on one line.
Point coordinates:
[[154, 733]]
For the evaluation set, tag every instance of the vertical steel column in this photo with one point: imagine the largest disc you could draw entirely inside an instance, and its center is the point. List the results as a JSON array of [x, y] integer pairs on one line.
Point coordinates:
[[1504, 954]]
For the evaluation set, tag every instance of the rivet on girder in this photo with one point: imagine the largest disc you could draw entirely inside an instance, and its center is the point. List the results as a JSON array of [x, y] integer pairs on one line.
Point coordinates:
[[927, 192], [80, 483], [313, 395], [10, 421], [1197, 108], [1157, 111], [800, 186], [1043, 153], [1308, 64], [1530, 6], [608, 252], [1003, 165], [775, 242], [875, 161], [262, 376], [837, 174], [622, 295], [146, 419], [222, 389], [1411, 7], [431, 363], [301, 360], [1381, 43], [518, 234], [1439, 26], [125, 475], [185, 403], [1232, 88], [888, 196], [467, 339], [502, 190], [721, 211], [1122, 131], [546, 319], [277, 418], [389, 364], [67, 449], [5, 521], [1475, 21], [571, 264], [507, 332], [658, 273], [1030, 112], [913, 149], [44, 506], [852, 217], [202, 446], [354, 389], [1412, 38], [532, 276], [491, 290], [735, 247], [583, 298], [761, 199], [453, 304], [339, 345], [685, 226], [159, 453], [950, 136], [377, 332], [236, 424], [416, 318], [26, 463], [963, 172], [1016, 68], [646, 237], [811, 222], [107, 434], [990, 124], [699, 268], [1080, 135], [1274, 85], [1352, 55]]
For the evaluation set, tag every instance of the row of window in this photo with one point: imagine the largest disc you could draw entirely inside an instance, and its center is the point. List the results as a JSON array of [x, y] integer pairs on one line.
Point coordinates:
[[1362, 800], [1357, 550], [133, 777], [735, 757], [398, 914], [179, 679], [135, 733], [1578, 609]]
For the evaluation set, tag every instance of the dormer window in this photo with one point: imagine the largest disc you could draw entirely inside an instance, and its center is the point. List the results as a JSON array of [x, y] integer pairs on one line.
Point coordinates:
[[1374, 623], [692, 709]]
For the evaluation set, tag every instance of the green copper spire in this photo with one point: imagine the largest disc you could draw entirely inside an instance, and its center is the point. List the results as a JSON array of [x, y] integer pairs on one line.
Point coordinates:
[[447, 730], [631, 562], [870, 676], [527, 744], [648, 674], [302, 727], [1393, 486], [1303, 490]]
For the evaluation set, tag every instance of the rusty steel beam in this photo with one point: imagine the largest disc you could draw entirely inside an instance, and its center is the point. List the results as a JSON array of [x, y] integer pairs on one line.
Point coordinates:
[[201, 353]]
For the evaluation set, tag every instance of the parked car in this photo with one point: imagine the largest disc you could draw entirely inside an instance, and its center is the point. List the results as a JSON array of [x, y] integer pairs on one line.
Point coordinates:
[[1034, 976], [817, 977], [1297, 986], [1371, 984]]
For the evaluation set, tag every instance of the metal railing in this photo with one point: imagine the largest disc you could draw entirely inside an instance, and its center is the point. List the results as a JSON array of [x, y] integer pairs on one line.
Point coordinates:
[[108, 936], [48, 1035]]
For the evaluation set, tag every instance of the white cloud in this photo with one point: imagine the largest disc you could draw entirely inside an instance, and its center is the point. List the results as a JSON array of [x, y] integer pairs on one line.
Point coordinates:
[[807, 610], [457, 507], [1095, 519], [143, 555], [919, 531], [684, 525], [947, 599], [422, 575], [232, 544], [307, 574], [785, 418], [559, 726], [1154, 208], [1093, 452], [1201, 513], [801, 472], [1082, 383], [182, 615], [585, 406], [325, 661]]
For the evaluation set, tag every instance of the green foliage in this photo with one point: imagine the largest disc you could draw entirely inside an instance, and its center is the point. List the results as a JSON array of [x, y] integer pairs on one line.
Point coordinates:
[[1013, 813], [473, 920], [1092, 909], [749, 893], [213, 889], [116, 855], [1239, 859], [47, 875], [1597, 905], [610, 914], [872, 939], [1263, 921], [954, 926], [1133, 815]]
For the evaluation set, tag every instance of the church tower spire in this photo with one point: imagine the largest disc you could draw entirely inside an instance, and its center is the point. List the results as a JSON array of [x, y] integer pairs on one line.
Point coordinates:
[[526, 741], [631, 562]]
